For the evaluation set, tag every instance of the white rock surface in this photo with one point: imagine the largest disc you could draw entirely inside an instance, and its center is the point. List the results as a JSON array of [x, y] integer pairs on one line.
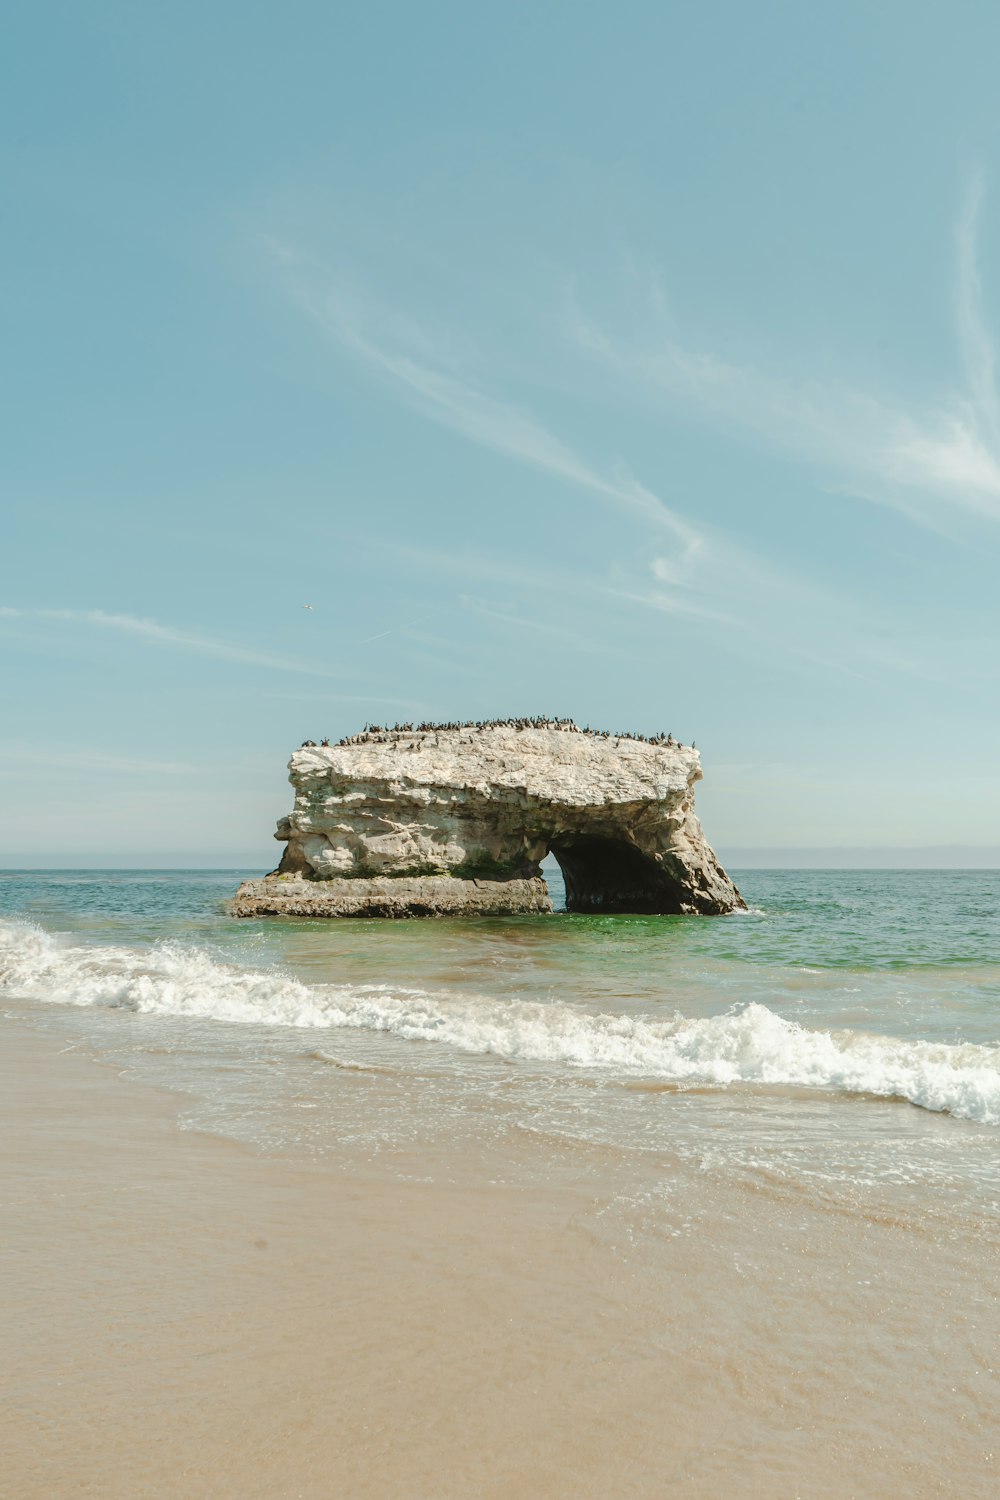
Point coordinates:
[[485, 805]]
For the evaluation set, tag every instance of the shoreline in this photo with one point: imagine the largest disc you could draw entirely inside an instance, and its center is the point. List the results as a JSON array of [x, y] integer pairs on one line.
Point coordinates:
[[187, 1315]]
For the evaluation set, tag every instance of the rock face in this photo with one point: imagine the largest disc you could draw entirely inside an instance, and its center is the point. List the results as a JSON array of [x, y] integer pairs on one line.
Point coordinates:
[[454, 821]]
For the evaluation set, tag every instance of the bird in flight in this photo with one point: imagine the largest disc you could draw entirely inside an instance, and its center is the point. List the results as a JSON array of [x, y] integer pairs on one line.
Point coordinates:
[[308, 606]]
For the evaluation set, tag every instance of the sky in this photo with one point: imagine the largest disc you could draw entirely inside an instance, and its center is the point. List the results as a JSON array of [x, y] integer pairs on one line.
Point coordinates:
[[630, 363]]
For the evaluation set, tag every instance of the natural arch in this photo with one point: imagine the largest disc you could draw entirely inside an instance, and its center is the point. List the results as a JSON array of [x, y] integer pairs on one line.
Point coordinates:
[[455, 818]]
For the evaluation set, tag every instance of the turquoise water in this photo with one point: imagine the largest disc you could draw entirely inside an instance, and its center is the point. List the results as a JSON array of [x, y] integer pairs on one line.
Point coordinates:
[[846, 1029]]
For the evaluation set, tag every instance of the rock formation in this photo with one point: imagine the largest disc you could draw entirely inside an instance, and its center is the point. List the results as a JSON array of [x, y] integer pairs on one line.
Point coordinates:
[[420, 822]]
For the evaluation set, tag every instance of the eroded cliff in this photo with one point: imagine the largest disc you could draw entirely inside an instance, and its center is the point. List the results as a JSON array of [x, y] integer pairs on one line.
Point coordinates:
[[456, 820]]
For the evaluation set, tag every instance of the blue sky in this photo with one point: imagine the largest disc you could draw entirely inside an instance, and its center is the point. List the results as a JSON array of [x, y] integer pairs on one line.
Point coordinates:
[[633, 363]]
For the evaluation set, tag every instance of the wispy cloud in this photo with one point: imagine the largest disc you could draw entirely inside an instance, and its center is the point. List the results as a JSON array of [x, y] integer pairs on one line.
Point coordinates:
[[916, 460], [510, 619], [580, 590], [694, 564], [691, 571], [422, 369], [839, 635], [644, 589], [978, 352], [657, 598], [380, 635], [156, 634]]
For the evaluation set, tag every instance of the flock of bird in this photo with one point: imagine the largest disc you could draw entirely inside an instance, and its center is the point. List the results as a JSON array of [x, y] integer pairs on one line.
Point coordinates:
[[377, 734]]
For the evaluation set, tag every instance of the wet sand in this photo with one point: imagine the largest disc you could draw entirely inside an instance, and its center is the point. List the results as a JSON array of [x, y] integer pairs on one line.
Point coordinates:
[[185, 1317]]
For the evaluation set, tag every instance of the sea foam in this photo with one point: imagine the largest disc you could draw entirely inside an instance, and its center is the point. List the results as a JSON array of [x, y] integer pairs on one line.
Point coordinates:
[[746, 1044]]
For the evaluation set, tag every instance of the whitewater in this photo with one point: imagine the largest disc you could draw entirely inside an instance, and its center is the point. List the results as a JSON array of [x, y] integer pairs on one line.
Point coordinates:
[[744, 1043]]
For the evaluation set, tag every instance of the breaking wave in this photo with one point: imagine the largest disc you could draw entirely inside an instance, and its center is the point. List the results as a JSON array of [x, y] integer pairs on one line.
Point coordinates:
[[749, 1044]]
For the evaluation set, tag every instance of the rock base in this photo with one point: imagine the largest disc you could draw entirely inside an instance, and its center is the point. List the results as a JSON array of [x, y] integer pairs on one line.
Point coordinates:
[[388, 896]]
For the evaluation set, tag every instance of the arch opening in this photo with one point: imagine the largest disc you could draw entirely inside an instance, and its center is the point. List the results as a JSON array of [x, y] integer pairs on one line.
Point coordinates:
[[611, 875], [552, 874]]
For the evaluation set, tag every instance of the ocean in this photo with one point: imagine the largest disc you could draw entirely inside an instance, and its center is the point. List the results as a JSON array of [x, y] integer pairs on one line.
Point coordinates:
[[845, 1030], [725, 1191]]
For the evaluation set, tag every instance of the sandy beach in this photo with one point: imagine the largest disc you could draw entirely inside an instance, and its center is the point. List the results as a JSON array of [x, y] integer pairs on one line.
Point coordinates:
[[184, 1316]]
